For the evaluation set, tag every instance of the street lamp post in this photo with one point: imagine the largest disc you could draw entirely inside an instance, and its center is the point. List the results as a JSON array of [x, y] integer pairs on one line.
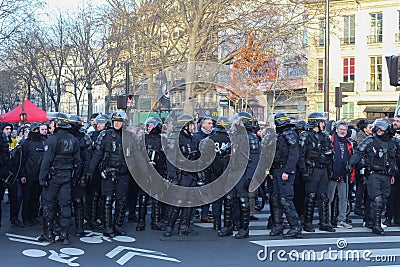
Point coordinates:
[[326, 74], [90, 100]]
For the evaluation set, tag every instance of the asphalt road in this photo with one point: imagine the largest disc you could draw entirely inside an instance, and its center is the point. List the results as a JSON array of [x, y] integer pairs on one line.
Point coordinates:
[[352, 247]]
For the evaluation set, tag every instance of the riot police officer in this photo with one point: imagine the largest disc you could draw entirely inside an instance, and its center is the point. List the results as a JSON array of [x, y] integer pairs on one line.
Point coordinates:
[[94, 184], [221, 161], [241, 189], [381, 154], [283, 174], [157, 159], [109, 153], [60, 159], [205, 130], [187, 146], [79, 181], [314, 161]]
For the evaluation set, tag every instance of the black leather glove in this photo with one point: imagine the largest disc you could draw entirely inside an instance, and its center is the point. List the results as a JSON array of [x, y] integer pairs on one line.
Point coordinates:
[[84, 180], [306, 176], [349, 168]]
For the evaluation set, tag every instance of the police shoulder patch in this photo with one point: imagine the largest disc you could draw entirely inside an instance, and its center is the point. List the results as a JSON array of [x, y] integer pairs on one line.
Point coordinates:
[[46, 147]]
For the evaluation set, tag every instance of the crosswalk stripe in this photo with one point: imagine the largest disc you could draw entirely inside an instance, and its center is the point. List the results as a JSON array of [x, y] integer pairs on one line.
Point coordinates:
[[338, 230], [327, 241], [263, 223]]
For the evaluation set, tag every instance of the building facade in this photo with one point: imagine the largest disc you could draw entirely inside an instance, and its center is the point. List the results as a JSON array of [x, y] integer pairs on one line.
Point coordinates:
[[362, 33]]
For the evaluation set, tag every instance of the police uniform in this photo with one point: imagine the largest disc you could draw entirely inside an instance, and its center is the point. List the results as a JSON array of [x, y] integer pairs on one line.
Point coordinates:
[[60, 158], [381, 154], [109, 153], [188, 149], [221, 161], [315, 162], [157, 159], [285, 161], [241, 189], [79, 181], [94, 189]]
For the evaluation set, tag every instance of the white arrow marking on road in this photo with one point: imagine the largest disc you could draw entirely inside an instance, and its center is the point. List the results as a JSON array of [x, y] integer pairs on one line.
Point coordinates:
[[137, 252], [129, 255], [26, 239]]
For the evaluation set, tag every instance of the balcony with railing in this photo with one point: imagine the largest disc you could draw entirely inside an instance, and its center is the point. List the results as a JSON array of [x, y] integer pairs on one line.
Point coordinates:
[[374, 39], [348, 41], [374, 86]]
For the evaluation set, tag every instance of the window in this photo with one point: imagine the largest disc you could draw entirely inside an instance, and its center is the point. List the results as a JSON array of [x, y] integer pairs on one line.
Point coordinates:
[[348, 111], [320, 75], [375, 83], [376, 30], [348, 70], [321, 39], [349, 30]]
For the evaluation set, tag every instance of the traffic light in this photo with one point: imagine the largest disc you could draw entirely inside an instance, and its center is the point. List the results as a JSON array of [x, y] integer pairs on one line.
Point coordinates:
[[339, 97], [393, 69], [125, 101]]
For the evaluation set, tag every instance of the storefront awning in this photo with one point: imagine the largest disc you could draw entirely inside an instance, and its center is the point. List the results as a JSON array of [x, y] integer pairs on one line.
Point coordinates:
[[379, 109]]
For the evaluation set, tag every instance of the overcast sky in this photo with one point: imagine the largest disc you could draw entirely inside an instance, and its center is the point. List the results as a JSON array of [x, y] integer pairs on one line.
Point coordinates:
[[54, 5]]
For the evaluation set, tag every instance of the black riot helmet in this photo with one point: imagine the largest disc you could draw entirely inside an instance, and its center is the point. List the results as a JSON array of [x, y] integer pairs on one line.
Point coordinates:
[[301, 126], [118, 116], [61, 121], [75, 121], [185, 120], [315, 118], [382, 124], [281, 119], [247, 119], [156, 122], [222, 121], [102, 118]]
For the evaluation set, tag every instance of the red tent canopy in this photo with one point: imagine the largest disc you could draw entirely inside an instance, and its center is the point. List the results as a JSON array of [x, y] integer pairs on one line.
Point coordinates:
[[33, 113]]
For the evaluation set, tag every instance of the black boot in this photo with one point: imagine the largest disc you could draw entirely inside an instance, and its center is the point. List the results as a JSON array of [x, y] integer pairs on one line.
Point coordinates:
[[107, 216], [377, 205], [93, 214], [47, 235], [64, 239], [309, 212], [277, 228], [244, 218], [78, 208], [295, 226], [171, 221], [184, 227], [388, 220], [227, 230], [396, 221], [323, 212], [143, 200], [335, 210], [156, 223], [119, 216]]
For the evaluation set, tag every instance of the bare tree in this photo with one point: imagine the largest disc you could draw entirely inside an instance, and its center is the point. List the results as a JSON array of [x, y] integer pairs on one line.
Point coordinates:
[[14, 14]]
